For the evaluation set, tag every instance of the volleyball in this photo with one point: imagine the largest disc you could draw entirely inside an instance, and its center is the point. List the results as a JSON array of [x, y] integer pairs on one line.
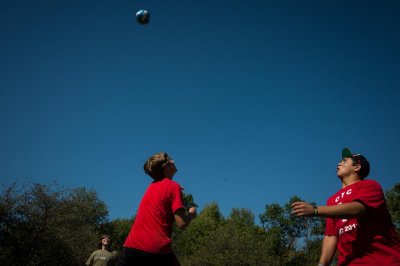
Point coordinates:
[[143, 16]]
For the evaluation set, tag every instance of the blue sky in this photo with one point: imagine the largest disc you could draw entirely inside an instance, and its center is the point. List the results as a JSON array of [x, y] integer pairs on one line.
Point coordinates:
[[253, 99]]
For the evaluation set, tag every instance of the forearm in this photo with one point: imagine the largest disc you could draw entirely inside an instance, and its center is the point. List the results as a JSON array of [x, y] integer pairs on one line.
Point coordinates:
[[328, 250], [188, 218], [183, 219], [347, 210]]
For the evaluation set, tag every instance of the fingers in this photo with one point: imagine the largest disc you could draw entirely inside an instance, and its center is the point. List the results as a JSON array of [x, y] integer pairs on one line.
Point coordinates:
[[298, 206], [300, 209], [192, 210], [297, 203]]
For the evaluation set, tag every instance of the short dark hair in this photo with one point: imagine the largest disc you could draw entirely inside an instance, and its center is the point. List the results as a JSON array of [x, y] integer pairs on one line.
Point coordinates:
[[358, 159], [155, 164]]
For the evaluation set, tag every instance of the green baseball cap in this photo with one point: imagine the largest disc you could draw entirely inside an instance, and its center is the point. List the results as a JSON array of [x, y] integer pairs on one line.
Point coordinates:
[[359, 159]]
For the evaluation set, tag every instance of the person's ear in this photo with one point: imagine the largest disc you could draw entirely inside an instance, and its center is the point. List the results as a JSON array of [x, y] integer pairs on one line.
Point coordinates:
[[357, 168]]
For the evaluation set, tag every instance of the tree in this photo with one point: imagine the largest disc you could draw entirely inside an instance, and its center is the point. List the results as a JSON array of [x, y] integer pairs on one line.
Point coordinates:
[[393, 203], [232, 245], [187, 242], [289, 236], [235, 241], [241, 218], [283, 227], [48, 225], [118, 229]]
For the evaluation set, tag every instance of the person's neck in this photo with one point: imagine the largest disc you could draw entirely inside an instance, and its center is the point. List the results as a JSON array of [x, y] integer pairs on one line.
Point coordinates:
[[349, 180]]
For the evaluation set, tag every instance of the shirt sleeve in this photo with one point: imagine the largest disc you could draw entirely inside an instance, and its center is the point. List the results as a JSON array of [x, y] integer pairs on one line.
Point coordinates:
[[370, 194], [90, 260], [177, 199], [330, 227]]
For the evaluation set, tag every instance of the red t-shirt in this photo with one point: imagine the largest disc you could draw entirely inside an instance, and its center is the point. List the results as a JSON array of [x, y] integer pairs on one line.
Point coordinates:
[[152, 229], [369, 239]]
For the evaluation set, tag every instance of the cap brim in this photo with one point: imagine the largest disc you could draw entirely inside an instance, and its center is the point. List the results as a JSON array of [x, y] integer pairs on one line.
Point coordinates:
[[346, 153]]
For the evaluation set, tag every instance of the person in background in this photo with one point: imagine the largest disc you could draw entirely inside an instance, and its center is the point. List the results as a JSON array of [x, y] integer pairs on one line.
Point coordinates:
[[104, 256]]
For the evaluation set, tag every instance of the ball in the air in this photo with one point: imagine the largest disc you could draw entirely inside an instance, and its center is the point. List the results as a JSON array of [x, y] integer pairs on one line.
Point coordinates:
[[143, 16]]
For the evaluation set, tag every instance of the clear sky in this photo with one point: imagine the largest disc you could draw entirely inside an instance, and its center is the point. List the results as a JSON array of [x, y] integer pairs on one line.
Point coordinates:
[[253, 99]]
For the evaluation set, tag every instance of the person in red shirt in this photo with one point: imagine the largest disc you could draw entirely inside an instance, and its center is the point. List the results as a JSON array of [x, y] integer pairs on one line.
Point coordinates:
[[149, 240], [358, 223]]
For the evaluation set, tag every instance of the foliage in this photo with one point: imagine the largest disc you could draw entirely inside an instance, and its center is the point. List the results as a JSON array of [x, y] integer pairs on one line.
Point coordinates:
[[393, 202], [232, 245], [48, 225], [118, 229], [282, 226], [188, 200], [241, 218], [187, 241], [56, 226], [212, 240], [286, 232]]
